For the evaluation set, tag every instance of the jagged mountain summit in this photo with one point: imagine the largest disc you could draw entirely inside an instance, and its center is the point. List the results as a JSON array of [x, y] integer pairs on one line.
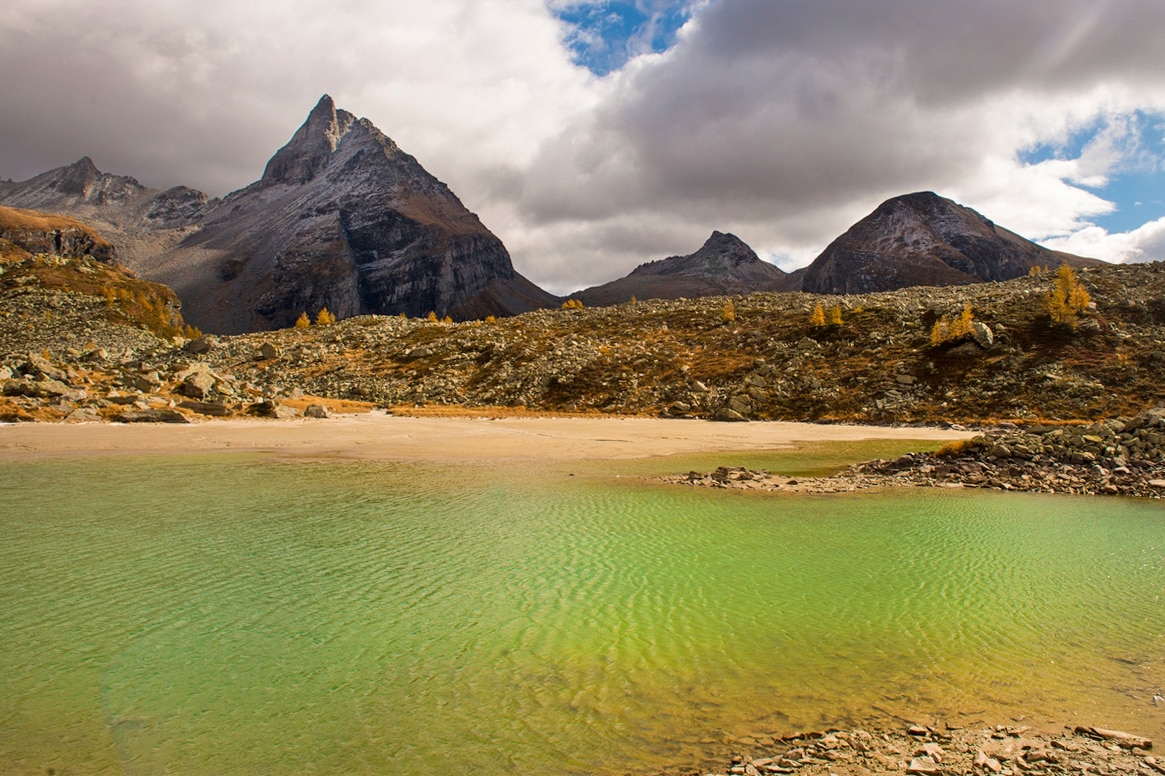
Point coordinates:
[[923, 239], [342, 218], [132, 215], [723, 265]]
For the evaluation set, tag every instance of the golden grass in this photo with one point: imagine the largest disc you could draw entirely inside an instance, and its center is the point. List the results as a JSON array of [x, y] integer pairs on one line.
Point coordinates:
[[957, 448], [341, 406], [491, 413]]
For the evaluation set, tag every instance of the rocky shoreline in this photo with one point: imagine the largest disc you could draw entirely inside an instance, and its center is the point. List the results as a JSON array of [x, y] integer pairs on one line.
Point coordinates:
[[1117, 457], [918, 750]]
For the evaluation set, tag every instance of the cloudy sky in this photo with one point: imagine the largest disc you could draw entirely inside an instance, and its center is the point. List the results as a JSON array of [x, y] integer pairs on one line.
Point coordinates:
[[593, 135]]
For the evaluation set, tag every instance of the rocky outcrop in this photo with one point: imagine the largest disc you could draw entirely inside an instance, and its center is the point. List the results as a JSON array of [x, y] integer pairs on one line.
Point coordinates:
[[923, 239], [342, 218], [723, 265], [35, 232]]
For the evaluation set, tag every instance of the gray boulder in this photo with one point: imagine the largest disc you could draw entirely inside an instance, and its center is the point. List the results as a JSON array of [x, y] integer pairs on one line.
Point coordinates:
[[152, 415], [726, 415]]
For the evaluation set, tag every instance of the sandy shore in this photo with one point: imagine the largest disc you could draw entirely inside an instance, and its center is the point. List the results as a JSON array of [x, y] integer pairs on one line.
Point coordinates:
[[377, 436]]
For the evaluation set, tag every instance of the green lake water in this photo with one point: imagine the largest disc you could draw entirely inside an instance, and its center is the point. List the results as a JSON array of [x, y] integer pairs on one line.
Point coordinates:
[[242, 614]]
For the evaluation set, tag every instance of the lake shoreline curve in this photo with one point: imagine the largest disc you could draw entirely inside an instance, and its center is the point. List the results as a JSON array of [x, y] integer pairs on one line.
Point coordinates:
[[1116, 457]]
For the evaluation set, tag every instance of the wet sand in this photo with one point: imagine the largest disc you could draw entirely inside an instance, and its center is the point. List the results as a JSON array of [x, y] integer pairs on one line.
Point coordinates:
[[378, 436]]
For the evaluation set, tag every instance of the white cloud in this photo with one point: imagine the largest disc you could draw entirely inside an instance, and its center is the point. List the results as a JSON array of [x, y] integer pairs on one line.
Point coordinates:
[[1146, 243]]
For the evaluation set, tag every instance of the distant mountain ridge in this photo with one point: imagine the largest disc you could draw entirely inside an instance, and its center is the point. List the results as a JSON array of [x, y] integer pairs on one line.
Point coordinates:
[[923, 239], [341, 218], [724, 265]]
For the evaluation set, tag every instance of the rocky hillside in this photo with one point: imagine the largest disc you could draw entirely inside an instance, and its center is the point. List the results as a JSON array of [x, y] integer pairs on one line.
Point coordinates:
[[342, 218], [895, 357], [60, 289], [723, 265], [923, 239]]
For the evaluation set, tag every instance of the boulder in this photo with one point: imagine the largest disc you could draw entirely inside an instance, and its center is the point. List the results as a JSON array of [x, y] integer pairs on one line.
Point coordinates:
[[740, 404], [316, 411], [203, 344], [926, 766], [263, 409], [726, 415], [18, 388], [83, 415], [39, 366], [49, 387], [982, 334], [213, 408], [152, 415], [197, 385]]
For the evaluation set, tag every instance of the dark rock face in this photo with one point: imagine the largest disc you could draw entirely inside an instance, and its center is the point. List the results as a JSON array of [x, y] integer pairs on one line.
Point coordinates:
[[924, 239], [723, 265], [342, 218]]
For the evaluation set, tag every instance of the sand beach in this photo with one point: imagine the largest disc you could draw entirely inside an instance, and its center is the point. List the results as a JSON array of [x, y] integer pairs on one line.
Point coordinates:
[[380, 436]]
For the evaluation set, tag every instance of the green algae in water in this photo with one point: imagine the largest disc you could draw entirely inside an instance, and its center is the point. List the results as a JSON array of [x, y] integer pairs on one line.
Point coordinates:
[[236, 614]]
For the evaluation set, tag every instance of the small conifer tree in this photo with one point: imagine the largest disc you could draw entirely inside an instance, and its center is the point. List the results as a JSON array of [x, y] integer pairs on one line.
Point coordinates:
[[323, 318], [1068, 298], [835, 315], [939, 332], [431, 317], [947, 330], [302, 322], [962, 326], [818, 317], [490, 319], [447, 319], [728, 313]]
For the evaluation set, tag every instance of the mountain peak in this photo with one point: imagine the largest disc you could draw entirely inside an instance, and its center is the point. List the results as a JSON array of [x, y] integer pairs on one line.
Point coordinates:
[[79, 177], [726, 241], [724, 264], [925, 239], [86, 164], [311, 146]]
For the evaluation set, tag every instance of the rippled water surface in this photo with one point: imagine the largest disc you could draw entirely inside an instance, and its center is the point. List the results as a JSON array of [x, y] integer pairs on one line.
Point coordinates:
[[233, 614]]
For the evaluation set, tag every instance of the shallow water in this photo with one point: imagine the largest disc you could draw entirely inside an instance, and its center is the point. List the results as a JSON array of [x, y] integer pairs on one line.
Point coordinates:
[[238, 614]]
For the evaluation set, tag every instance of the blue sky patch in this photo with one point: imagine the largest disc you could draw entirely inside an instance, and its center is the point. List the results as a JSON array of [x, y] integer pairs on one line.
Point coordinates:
[[604, 34], [1135, 181]]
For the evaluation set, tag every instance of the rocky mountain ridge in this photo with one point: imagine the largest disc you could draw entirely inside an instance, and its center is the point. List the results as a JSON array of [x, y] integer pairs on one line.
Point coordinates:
[[723, 265], [923, 239], [342, 218]]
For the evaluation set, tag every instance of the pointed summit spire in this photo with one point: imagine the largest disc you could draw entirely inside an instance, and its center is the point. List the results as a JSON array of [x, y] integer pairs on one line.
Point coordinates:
[[311, 146], [78, 178]]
